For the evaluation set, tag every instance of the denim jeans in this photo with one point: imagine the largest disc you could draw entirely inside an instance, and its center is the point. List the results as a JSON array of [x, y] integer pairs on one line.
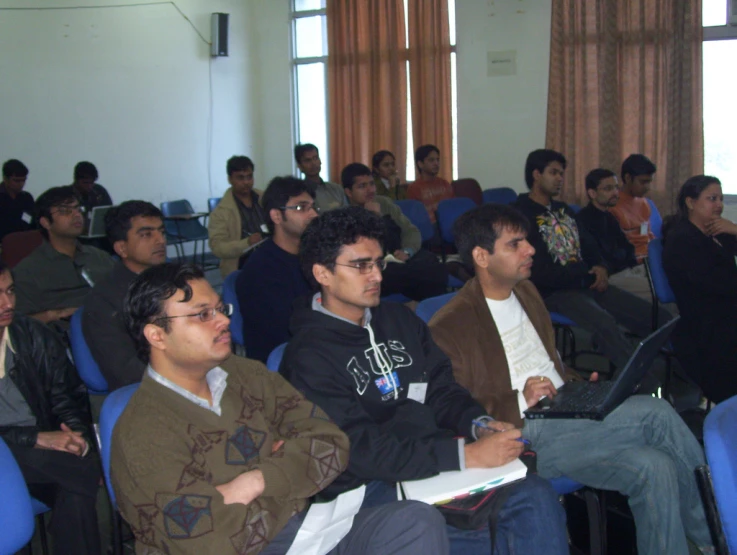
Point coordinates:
[[645, 451], [531, 522]]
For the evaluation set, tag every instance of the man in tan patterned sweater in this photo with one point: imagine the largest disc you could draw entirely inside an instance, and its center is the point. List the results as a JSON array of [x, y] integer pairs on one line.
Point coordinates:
[[214, 454]]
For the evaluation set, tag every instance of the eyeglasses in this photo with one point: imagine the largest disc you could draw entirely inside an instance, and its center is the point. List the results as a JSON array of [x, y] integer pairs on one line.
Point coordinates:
[[205, 315], [302, 207], [609, 188], [366, 266], [69, 209]]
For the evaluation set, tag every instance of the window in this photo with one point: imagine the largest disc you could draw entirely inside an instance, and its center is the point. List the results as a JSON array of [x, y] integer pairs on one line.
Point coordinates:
[[309, 55], [720, 113]]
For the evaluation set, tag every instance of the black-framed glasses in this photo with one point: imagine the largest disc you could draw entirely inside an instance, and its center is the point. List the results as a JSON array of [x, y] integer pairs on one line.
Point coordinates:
[[205, 315], [366, 266], [69, 209], [302, 207]]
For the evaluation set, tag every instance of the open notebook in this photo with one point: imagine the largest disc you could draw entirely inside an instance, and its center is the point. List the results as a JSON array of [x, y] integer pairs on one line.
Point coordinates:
[[447, 486]]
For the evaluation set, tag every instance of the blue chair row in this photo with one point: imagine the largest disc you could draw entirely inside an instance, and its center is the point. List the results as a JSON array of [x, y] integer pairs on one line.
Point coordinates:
[[16, 510]]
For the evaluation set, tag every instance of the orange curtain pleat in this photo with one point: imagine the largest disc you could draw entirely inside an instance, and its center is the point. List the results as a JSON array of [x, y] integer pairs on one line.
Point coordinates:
[[626, 77], [367, 83], [430, 90]]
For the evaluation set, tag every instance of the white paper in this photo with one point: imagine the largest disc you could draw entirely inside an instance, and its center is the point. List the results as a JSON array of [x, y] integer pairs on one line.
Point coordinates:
[[26, 217], [643, 228], [417, 392], [327, 523]]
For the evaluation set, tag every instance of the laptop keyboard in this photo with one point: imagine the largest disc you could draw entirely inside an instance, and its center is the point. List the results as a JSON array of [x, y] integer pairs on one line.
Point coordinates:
[[587, 399]]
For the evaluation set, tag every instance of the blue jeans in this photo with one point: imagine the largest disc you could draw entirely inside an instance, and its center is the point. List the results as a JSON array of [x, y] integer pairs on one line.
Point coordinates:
[[532, 521], [642, 449]]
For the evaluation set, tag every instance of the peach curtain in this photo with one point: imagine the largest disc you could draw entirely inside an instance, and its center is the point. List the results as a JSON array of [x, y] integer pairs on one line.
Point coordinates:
[[429, 70], [367, 81], [626, 77]]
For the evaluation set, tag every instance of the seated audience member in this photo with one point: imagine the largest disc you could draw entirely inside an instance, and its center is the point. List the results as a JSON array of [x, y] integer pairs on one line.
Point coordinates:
[[633, 211], [618, 253], [418, 274], [238, 451], [327, 195], [499, 338], [699, 259], [375, 370], [569, 270], [428, 188], [386, 178], [271, 278], [238, 222], [16, 205], [135, 230], [45, 420], [89, 193], [54, 280]]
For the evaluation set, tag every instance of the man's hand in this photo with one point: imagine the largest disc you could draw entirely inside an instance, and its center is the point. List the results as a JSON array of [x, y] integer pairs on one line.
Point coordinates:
[[373, 206], [721, 225], [66, 440], [276, 446], [243, 489], [492, 450], [594, 377], [54, 314], [602, 278], [254, 238], [493, 426], [399, 254], [537, 387]]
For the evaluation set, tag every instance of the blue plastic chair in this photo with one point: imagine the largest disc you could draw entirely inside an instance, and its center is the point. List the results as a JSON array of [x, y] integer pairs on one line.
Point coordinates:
[[212, 202], [595, 510], [87, 368], [656, 220], [236, 319], [16, 510], [659, 286], [499, 195], [448, 212], [179, 232], [575, 207], [426, 309], [416, 213], [275, 356]]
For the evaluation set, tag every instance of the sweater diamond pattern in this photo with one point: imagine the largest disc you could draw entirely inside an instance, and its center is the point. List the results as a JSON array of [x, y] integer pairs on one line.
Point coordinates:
[[244, 445], [186, 516]]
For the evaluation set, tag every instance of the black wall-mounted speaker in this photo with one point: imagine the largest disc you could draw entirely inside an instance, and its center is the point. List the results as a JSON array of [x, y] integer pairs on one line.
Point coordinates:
[[219, 36]]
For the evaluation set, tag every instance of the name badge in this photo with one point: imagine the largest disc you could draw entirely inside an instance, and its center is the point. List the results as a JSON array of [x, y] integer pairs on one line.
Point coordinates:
[[26, 217], [386, 385], [643, 228], [417, 392], [264, 229]]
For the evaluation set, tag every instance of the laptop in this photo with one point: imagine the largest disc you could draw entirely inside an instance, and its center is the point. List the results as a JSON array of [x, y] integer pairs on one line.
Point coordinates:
[[595, 400], [97, 222]]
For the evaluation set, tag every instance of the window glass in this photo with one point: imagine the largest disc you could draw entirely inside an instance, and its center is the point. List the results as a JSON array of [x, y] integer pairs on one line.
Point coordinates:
[[310, 37], [713, 13], [304, 5], [311, 106]]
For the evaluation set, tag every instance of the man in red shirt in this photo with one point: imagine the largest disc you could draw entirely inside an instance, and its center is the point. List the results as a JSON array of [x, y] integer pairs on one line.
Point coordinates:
[[429, 189]]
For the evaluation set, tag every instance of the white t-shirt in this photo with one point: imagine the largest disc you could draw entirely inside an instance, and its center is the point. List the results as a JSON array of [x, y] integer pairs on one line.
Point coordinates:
[[526, 355]]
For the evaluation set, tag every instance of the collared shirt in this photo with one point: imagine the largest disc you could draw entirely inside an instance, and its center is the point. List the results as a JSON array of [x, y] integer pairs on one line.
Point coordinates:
[[328, 196], [14, 410], [15, 213], [253, 218], [216, 381]]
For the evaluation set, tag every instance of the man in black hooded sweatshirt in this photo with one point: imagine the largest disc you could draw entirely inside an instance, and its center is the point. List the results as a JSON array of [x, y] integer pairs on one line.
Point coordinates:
[[375, 370]]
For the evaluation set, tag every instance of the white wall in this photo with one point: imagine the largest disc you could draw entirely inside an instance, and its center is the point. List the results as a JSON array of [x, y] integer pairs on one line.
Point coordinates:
[[501, 119], [128, 89]]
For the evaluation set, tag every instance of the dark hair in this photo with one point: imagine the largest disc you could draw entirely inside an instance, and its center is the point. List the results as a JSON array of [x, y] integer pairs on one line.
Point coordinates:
[[14, 168], [301, 149], [118, 220], [325, 237], [378, 157], [85, 170], [239, 164], [692, 188], [539, 160], [637, 164], [147, 293], [482, 226], [279, 191], [3, 267], [56, 196], [424, 151], [351, 172], [594, 177]]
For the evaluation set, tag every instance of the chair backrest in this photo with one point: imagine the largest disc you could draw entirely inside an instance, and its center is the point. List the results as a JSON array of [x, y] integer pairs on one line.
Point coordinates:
[[184, 230], [16, 513], [275, 356], [212, 202], [575, 207], [499, 195], [426, 309], [661, 287], [468, 187], [176, 208], [448, 212], [16, 246], [87, 368], [416, 213], [720, 443], [656, 220], [112, 408], [229, 296]]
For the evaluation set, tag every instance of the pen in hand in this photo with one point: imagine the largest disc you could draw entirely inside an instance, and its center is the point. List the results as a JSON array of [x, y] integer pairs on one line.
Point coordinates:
[[481, 424]]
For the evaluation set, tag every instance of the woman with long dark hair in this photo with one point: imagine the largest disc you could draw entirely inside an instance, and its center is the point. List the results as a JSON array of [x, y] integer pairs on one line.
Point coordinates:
[[699, 259], [384, 170]]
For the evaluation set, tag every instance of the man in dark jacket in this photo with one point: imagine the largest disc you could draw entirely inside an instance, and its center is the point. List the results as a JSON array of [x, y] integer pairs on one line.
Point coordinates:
[[135, 230], [45, 420], [377, 373]]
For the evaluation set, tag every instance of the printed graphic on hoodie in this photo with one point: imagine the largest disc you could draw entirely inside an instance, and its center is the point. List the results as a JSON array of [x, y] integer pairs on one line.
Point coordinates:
[[560, 234], [388, 357]]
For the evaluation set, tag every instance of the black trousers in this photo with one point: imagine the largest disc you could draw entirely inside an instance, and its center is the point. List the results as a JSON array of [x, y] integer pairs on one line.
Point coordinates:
[[69, 485], [422, 276]]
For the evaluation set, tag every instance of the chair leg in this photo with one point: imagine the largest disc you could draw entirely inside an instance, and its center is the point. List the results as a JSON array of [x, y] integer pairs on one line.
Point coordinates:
[[41, 522], [596, 510], [117, 532]]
